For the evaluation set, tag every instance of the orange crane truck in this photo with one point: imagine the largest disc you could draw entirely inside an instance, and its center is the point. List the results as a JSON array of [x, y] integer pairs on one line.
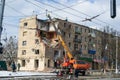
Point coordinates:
[[70, 65]]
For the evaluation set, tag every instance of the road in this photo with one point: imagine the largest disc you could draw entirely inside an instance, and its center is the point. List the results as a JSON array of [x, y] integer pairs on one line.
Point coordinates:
[[89, 77], [7, 75]]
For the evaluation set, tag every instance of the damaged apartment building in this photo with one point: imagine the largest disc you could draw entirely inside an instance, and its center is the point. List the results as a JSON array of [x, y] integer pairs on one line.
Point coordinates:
[[39, 47]]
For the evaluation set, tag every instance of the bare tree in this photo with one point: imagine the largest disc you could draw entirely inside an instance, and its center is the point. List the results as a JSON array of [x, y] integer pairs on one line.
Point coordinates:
[[10, 50]]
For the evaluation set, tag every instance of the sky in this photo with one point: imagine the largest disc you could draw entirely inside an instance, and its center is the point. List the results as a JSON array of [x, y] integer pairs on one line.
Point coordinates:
[[74, 10]]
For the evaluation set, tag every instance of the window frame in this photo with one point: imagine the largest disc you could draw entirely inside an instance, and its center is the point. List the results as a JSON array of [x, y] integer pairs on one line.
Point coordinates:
[[23, 63], [25, 24], [37, 51], [24, 43], [23, 52]]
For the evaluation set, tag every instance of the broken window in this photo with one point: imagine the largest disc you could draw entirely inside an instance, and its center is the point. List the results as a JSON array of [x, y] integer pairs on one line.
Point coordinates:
[[37, 51], [25, 24], [36, 41], [36, 63], [50, 35], [24, 43], [23, 52], [23, 63], [43, 34]]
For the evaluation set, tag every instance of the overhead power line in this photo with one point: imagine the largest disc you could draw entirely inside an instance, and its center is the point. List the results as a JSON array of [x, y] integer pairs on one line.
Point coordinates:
[[16, 10], [10, 1], [59, 9], [70, 8], [65, 11], [11, 24], [55, 9], [33, 4], [82, 12]]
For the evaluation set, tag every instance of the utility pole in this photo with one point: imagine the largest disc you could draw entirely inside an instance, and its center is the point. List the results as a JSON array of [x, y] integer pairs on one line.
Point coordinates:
[[2, 4], [116, 69]]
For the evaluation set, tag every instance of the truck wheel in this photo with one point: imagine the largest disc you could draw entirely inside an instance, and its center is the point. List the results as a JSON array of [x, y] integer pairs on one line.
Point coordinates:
[[76, 73], [83, 73]]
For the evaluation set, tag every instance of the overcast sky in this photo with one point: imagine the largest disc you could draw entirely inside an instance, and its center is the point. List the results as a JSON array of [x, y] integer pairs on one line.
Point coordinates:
[[74, 10]]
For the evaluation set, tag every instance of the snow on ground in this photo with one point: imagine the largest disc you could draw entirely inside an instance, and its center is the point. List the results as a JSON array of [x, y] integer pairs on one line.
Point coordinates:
[[12, 74]]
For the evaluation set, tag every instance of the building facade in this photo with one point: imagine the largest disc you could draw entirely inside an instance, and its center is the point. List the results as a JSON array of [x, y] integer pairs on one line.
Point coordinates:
[[39, 47]]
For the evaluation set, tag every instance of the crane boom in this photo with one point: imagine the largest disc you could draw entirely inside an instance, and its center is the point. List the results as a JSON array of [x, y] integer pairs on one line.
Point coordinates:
[[72, 65], [61, 40]]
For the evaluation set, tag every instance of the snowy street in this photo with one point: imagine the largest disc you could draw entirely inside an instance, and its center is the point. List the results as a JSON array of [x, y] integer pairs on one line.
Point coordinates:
[[4, 74]]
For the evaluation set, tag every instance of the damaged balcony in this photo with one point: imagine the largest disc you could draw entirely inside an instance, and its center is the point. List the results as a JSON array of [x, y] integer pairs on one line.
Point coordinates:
[[47, 26]]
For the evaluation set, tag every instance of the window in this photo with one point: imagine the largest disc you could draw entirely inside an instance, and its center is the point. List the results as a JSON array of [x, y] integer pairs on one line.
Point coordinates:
[[75, 46], [81, 38], [24, 43], [25, 24], [64, 53], [70, 26], [76, 28], [37, 51], [36, 41], [36, 63], [89, 30], [81, 30], [90, 40], [64, 24], [76, 36], [69, 35], [81, 46], [25, 33], [23, 52], [56, 54], [69, 44], [85, 30], [85, 47], [85, 39], [64, 33], [23, 63]]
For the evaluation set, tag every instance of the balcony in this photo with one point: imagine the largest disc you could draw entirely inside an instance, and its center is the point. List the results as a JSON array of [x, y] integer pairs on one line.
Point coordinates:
[[77, 32], [77, 40], [92, 35]]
